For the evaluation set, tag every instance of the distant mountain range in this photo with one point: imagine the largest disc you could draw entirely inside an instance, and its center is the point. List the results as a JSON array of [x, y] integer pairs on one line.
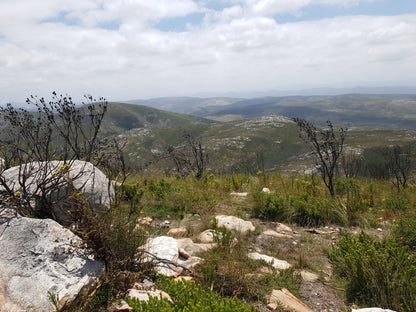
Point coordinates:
[[353, 110]]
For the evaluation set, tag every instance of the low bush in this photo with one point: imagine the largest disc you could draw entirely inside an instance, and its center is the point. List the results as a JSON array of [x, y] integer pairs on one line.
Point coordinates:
[[188, 297], [396, 203], [377, 273], [405, 232], [303, 209]]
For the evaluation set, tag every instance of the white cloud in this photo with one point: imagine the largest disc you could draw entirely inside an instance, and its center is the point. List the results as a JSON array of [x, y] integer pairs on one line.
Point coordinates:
[[232, 50]]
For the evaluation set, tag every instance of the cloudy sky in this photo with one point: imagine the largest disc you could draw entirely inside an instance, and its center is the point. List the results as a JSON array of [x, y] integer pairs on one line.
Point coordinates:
[[131, 49]]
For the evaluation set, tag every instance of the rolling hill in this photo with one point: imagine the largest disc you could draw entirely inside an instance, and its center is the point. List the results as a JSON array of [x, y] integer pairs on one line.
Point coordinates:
[[352, 110]]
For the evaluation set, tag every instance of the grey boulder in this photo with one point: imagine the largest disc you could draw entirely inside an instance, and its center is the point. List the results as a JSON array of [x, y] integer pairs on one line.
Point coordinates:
[[41, 256]]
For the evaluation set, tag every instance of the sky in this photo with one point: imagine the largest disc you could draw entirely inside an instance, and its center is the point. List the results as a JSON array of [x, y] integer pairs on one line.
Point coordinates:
[[137, 49]]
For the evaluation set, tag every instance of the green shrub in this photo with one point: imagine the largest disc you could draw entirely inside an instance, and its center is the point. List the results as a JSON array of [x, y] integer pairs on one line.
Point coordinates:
[[160, 189], [272, 207], [377, 273], [303, 209], [187, 297], [396, 203], [346, 187], [405, 232], [162, 210]]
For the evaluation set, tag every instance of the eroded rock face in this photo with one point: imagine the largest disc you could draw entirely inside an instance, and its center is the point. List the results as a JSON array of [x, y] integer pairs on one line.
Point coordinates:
[[60, 181], [38, 256], [232, 223]]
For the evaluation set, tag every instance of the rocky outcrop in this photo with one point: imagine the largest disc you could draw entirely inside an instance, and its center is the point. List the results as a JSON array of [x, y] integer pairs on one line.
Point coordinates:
[[55, 182], [41, 256], [232, 223]]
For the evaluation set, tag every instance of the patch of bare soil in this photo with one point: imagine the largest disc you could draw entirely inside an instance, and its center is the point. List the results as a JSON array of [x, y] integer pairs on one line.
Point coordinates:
[[321, 296]]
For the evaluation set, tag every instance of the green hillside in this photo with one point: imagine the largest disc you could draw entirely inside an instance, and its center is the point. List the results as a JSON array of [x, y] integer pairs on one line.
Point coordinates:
[[249, 145], [358, 110]]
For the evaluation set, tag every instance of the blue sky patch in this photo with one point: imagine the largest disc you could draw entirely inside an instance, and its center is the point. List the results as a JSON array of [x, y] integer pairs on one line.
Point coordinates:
[[320, 11], [110, 25], [63, 18], [179, 24]]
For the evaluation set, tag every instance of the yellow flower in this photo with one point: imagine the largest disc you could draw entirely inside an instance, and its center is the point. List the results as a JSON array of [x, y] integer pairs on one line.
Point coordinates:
[[17, 192], [56, 172], [141, 211], [68, 211]]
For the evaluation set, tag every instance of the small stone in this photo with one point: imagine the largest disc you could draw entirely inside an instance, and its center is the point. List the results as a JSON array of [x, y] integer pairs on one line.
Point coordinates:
[[241, 194], [275, 234], [123, 306], [280, 227], [266, 190], [178, 232]]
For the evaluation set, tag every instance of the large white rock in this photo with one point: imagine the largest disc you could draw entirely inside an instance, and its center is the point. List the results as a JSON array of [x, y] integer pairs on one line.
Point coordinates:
[[38, 256], [164, 252], [232, 223], [79, 176]]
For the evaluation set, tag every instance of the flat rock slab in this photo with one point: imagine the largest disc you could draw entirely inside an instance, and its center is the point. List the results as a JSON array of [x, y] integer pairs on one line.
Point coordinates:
[[38, 256], [276, 263], [288, 300]]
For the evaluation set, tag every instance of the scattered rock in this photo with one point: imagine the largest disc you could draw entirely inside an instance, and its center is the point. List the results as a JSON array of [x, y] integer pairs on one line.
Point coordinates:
[[308, 276], [372, 310], [280, 227], [191, 263], [241, 194], [266, 190], [40, 256], [276, 234], [207, 236], [232, 223], [185, 278], [276, 263], [178, 232], [188, 247], [144, 295], [284, 297], [123, 306], [145, 221]]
